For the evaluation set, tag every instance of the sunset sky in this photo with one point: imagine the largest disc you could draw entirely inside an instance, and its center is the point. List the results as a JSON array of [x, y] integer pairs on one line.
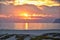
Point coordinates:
[[41, 8], [35, 10]]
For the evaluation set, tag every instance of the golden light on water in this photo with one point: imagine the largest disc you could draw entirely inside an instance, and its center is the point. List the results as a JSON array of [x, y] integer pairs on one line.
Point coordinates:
[[21, 26], [36, 2], [26, 26]]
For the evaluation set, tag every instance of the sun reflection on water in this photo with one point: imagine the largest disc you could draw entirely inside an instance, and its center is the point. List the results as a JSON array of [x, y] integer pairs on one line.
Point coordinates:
[[26, 26]]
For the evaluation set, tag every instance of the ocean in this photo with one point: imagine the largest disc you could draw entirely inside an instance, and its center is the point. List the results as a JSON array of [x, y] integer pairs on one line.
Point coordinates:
[[29, 26]]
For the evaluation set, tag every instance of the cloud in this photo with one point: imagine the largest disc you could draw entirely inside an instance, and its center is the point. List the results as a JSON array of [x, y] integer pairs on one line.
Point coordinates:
[[31, 9], [34, 2], [56, 1], [11, 9], [54, 10], [6, 9]]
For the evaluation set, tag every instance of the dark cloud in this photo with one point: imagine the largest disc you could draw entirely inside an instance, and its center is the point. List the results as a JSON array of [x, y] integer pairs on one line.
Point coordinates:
[[54, 10], [56, 1], [6, 9]]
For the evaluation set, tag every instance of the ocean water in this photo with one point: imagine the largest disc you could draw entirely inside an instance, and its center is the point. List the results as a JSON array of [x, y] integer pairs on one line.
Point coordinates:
[[29, 26], [33, 32]]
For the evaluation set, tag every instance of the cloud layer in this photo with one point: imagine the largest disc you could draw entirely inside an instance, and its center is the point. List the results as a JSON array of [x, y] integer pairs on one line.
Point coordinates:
[[34, 2]]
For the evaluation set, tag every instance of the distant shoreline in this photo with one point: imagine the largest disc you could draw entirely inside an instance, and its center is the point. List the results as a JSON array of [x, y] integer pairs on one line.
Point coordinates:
[[31, 30]]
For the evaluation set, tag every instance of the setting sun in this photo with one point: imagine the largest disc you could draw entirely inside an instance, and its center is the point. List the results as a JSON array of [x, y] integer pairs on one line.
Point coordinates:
[[25, 14]]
